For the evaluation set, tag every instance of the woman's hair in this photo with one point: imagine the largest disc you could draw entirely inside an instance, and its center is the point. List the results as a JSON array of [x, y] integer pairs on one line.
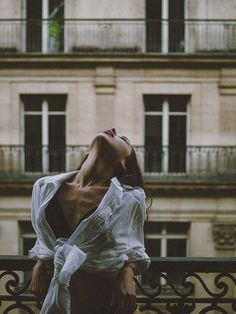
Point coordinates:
[[129, 173]]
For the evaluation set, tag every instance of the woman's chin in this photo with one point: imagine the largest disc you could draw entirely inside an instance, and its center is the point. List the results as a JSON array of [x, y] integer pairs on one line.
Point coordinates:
[[101, 140]]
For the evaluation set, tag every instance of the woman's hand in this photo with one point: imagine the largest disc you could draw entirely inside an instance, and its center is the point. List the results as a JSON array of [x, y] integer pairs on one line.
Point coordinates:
[[40, 280], [124, 295]]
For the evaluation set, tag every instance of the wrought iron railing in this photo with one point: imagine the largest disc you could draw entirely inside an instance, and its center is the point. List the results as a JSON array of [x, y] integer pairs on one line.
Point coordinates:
[[190, 161], [118, 36], [191, 285]]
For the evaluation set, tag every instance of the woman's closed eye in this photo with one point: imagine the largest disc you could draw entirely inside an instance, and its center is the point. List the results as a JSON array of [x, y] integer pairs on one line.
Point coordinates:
[[125, 139]]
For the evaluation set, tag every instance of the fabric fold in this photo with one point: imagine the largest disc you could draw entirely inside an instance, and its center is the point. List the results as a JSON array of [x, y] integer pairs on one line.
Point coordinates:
[[68, 258]]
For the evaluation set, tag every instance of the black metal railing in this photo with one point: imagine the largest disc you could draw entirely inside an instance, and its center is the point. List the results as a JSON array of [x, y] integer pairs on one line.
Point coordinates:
[[190, 161], [118, 36], [171, 286]]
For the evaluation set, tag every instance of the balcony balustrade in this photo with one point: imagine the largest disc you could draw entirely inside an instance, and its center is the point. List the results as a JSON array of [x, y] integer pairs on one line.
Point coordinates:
[[118, 36], [170, 286], [200, 162]]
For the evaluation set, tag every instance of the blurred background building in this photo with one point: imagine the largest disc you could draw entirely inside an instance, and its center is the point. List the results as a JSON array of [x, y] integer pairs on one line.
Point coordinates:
[[163, 72]]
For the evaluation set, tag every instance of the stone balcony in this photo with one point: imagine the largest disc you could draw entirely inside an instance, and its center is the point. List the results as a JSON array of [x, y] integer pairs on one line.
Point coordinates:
[[118, 36], [163, 164]]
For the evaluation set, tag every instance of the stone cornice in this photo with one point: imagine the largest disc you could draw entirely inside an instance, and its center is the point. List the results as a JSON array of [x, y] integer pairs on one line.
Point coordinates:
[[88, 61], [22, 187]]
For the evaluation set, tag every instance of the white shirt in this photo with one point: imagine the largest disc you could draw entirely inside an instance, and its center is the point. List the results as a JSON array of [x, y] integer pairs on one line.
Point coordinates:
[[104, 241]]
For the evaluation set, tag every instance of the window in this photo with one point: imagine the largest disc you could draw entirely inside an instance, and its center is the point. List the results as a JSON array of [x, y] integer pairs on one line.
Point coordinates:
[[38, 33], [165, 25], [165, 240], [165, 133], [44, 132]]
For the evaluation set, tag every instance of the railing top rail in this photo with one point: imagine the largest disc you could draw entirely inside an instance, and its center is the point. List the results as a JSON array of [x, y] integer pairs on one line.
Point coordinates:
[[120, 19], [138, 146], [198, 264]]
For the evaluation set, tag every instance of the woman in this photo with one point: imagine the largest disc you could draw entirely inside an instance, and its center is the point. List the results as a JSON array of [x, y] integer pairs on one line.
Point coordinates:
[[89, 222]]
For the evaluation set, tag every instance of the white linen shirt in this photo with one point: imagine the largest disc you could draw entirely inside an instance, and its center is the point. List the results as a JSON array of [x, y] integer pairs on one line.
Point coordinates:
[[104, 241]]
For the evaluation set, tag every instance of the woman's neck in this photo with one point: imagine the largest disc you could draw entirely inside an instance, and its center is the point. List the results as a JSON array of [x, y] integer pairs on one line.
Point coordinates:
[[95, 171]]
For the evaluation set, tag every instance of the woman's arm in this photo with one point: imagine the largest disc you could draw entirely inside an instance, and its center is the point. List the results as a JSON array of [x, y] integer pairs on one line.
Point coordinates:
[[124, 294], [40, 280]]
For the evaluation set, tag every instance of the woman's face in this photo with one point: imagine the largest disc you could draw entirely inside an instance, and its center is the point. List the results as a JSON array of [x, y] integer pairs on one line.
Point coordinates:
[[117, 145]]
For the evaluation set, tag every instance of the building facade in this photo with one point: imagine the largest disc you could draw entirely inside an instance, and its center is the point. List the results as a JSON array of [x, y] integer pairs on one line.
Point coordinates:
[[163, 72]]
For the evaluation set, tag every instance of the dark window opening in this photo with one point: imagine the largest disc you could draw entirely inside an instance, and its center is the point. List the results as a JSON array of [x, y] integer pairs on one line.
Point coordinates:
[[44, 132], [153, 25], [165, 133]]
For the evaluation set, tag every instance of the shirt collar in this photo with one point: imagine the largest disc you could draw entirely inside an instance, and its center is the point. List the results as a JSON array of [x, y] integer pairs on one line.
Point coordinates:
[[59, 178], [116, 182]]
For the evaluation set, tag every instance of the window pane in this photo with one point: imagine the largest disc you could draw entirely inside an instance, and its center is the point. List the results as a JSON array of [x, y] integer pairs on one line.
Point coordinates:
[[153, 25], [177, 144], [33, 143], [153, 143], [153, 102], [153, 247], [32, 102], [56, 143], [176, 247], [34, 25], [152, 227], [176, 25], [26, 227], [56, 10], [56, 102], [178, 103], [177, 228], [28, 241]]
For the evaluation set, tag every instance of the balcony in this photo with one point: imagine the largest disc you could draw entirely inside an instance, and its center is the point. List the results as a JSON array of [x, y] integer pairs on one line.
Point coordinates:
[[199, 163], [118, 36], [197, 285]]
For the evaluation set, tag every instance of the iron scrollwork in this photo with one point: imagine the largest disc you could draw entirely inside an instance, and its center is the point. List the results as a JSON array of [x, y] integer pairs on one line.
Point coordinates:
[[181, 297], [17, 293]]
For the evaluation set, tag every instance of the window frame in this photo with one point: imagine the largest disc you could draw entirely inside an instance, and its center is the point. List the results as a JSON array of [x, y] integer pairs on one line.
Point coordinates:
[[166, 113], [44, 113]]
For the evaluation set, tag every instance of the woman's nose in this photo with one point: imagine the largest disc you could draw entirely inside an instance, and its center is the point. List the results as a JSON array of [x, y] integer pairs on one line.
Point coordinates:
[[114, 130]]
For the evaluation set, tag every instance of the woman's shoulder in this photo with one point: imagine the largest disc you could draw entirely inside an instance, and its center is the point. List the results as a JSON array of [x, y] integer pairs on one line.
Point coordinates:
[[60, 177], [136, 194]]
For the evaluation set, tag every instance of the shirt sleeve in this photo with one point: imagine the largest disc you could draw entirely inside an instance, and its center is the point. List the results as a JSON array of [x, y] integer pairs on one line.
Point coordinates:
[[136, 252], [39, 250]]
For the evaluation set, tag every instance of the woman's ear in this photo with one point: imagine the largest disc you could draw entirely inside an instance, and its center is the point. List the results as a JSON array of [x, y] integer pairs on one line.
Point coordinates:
[[120, 169], [123, 163]]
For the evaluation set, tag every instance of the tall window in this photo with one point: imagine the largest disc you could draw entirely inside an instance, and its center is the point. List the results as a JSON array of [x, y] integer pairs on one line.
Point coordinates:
[[166, 240], [165, 25], [165, 133], [44, 31], [44, 132]]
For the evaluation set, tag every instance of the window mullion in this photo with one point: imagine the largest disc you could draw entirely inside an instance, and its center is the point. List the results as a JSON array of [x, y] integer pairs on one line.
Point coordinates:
[[45, 6], [165, 136], [45, 135], [165, 26], [163, 248]]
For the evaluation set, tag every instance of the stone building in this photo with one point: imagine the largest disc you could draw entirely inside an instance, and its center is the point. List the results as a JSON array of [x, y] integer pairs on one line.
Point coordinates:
[[163, 72]]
